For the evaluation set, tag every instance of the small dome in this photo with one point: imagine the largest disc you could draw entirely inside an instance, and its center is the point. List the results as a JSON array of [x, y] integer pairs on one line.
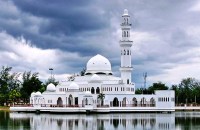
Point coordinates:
[[51, 87], [125, 12], [38, 93], [33, 94], [73, 86], [98, 65], [95, 78], [88, 94]]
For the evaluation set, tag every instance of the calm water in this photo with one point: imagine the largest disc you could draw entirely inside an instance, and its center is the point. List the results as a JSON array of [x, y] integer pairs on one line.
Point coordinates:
[[140, 121]]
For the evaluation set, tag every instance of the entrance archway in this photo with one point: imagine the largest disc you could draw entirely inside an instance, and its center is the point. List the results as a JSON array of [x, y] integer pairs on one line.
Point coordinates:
[[124, 102], [115, 102], [152, 102], [134, 102], [143, 102], [70, 100], [76, 101], [59, 102]]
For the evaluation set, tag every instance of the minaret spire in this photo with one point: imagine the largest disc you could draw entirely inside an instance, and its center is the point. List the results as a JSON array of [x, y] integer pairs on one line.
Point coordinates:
[[125, 45]]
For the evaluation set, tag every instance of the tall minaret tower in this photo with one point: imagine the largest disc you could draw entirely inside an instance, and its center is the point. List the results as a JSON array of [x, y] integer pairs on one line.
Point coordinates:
[[125, 45]]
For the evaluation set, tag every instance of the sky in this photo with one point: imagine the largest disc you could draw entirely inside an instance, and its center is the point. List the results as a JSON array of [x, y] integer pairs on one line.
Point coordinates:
[[36, 35]]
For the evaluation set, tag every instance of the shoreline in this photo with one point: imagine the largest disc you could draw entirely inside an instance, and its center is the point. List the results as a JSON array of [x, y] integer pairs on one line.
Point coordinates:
[[3, 108]]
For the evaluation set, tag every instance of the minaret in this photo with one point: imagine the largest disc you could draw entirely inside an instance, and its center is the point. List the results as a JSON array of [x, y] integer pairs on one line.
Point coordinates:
[[125, 45]]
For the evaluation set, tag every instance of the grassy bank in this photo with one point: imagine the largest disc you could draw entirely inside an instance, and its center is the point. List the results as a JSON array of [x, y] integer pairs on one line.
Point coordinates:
[[3, 108]]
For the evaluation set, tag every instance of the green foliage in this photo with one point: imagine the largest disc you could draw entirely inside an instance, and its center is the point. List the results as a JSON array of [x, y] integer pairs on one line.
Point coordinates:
[[151, 89], [188, 91], [82, 73], [14, 94], [8, 82], [157, 86], [30, 83], [101, 96]]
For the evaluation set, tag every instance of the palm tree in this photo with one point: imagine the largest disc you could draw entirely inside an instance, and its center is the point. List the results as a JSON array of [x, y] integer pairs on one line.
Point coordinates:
[[101, 96]]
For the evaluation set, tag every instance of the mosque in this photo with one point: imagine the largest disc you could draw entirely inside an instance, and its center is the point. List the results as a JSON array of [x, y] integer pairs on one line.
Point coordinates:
[[99, 90]]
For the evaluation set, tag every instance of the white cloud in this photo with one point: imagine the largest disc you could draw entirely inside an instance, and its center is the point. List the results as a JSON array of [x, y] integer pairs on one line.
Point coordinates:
[[22, 56], [195, 7]]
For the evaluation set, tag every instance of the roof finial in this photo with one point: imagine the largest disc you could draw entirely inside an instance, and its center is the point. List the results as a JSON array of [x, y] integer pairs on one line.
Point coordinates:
[[125, 12]]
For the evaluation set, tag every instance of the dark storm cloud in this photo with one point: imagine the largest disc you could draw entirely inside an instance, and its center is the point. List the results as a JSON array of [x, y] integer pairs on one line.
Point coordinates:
[[87, 27], [66, 17]]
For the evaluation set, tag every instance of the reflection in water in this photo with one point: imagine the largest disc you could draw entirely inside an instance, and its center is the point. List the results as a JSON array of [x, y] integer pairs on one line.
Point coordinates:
[[141, 121]]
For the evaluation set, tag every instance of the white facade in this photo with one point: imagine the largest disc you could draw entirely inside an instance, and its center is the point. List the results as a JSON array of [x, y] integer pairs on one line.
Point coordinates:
[[83, 91]]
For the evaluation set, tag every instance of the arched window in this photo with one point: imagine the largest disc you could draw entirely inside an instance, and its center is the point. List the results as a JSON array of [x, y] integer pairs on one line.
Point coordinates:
[[127, 81], [97, 90], [127, 34], [124, 52], [127, 52], [92, 90], [124, 33]]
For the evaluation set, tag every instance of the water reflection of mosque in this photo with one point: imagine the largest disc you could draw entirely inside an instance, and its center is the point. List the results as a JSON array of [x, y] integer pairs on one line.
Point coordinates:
[[102, 122]]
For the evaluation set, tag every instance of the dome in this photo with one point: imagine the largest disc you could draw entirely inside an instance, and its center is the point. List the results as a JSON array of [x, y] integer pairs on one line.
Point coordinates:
[[73, 85], [38, 93], [88, 94], [95, 78], [51, 87], [33, 94], [98, 65]]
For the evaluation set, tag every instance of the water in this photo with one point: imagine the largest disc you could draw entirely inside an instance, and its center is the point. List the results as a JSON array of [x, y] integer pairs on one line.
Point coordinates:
[[130, 121]]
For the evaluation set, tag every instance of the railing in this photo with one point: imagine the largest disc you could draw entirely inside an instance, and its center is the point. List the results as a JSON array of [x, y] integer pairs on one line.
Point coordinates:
[[82, 105]]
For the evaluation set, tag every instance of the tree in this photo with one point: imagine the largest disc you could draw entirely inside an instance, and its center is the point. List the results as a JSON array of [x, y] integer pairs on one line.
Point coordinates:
[[101, 96], [157, 86], [31, 83], [14, 94], [82, 73], [8, 82]]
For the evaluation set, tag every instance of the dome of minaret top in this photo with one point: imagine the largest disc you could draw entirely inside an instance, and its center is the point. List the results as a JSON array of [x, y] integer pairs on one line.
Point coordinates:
[[125, 12]]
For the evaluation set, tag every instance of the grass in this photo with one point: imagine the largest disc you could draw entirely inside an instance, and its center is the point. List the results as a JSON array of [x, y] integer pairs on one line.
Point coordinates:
[[4, 108]]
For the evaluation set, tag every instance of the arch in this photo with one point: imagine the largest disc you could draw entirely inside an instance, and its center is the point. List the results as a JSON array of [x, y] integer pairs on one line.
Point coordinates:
[[134, 102], [76, 100], [124, 33], [127, 52], [124, 102], [124, 52], [143, 102], [86, 101], [115, 102], [97, 90], [59, 102], [128, 81], [92, 90], [70, 100], [152, 102]]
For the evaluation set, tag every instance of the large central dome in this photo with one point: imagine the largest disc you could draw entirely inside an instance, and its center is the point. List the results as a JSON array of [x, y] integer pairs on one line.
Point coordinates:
[[98, 65]]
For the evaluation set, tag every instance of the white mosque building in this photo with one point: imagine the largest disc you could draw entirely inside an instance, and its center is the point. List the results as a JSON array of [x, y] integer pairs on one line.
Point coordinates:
[[100, 91]]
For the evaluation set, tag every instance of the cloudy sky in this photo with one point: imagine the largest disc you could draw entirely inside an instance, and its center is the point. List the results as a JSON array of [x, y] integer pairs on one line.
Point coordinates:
[[65, 34]]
